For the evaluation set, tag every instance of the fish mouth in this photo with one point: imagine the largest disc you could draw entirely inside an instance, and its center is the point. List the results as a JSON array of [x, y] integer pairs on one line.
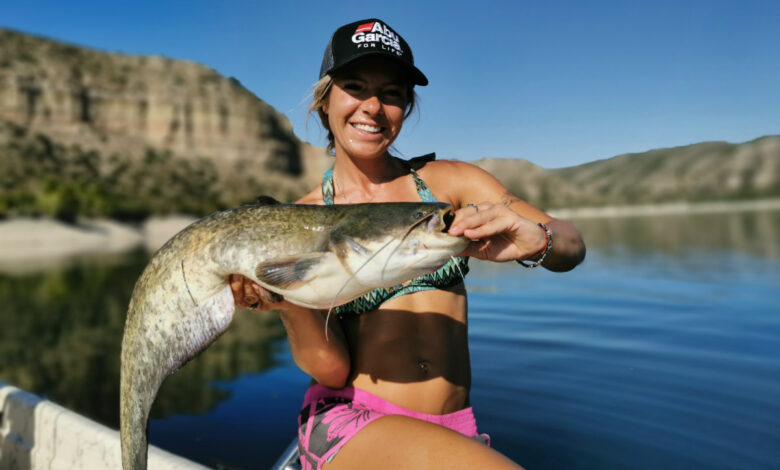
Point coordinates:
[[447, 218], [438, 221]]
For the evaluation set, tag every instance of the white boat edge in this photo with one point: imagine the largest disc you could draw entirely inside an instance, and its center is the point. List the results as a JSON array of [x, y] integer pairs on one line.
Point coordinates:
[[38, 434]]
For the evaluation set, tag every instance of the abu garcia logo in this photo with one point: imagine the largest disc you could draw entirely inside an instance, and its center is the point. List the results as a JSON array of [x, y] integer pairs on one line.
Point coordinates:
[[371, 34]]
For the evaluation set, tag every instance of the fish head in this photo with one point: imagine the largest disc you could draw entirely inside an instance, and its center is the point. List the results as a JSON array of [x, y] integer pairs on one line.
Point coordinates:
[[389, 243]]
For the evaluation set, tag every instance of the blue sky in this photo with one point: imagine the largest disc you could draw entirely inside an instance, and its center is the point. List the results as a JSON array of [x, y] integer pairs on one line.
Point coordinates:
[[558, 83]]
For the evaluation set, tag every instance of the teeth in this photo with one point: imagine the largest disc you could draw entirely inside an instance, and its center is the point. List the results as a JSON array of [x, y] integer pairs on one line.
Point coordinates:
[[367, 128]]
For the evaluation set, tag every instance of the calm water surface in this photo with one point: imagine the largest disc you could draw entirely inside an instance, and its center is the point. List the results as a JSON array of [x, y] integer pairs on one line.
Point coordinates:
[[661, 350]]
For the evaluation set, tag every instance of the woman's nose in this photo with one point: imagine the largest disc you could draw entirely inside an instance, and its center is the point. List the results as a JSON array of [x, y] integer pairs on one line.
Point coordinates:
[[372, 105]]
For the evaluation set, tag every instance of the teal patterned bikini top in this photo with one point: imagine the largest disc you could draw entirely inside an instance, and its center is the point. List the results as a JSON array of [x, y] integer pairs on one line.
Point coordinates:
[[446, 276]]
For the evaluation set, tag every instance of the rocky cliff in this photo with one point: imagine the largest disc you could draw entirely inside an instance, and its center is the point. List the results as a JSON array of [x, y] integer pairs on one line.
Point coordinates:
[[117, 103]]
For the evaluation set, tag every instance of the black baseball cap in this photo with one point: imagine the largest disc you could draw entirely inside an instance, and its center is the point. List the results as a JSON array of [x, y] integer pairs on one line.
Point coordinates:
[[369, 37]]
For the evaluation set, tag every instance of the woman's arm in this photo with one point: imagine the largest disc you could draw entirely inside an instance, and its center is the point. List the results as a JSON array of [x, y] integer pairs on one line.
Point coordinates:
[[324, 358], [503, 227]]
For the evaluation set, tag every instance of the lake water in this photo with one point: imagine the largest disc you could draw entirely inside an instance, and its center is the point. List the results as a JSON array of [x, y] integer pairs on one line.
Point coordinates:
[[661, 351]]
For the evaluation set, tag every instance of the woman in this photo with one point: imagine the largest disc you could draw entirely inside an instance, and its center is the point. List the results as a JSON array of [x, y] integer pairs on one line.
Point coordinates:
[[390, 381]]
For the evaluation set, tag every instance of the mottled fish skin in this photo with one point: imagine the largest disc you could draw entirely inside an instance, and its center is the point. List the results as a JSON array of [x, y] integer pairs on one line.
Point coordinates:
[[182, 301]]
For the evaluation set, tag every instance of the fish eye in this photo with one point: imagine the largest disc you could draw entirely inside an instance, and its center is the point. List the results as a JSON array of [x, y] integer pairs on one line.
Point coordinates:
[[418, 215]]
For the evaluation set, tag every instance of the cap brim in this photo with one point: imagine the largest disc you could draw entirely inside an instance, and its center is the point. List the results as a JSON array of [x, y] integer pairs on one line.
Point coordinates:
[[418, 78]]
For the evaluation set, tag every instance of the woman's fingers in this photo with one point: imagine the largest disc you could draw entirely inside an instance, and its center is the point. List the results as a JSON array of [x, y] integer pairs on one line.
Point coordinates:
[[248, 294], [476, 221], [470, 216], [497, 232], [266, 296], [237, 286], [487, 227]]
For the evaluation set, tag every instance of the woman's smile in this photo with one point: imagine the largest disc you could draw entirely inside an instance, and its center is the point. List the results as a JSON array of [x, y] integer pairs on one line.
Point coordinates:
[[371, 129]]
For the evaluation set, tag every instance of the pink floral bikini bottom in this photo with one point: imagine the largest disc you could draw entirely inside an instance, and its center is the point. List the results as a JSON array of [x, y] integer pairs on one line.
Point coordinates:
[[330, 418]]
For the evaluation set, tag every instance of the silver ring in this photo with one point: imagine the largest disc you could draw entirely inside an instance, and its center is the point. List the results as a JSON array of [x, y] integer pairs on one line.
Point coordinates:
[[476, 207]]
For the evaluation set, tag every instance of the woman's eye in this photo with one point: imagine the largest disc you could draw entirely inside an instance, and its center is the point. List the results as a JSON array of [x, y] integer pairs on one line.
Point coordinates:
[[395, 94], [352, 87]]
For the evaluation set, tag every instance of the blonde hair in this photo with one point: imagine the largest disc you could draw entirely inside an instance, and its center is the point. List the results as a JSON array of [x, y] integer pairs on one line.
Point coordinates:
[[320, 93]]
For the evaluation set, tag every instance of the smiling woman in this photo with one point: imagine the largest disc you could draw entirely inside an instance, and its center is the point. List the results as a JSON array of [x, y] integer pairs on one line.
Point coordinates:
[[398, 93], [366, 107], [391, 377]]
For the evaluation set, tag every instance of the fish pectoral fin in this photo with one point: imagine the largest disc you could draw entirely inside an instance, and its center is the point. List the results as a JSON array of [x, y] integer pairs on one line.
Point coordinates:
[[288, 272]]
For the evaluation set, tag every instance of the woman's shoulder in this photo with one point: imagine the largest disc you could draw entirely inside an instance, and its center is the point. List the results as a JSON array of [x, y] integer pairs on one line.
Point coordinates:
[[451, 172], [457, 182], [313, 197]]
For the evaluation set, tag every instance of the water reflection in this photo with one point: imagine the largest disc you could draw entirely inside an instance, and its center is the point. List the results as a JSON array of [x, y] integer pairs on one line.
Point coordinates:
[[751, 233], [60, 336]]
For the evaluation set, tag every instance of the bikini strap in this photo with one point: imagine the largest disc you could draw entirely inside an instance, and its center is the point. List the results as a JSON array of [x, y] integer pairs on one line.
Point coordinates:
[[422, 189], [328, 192]]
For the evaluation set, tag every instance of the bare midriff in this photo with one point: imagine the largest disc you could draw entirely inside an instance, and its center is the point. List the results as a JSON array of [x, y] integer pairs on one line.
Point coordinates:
[[413, 351]]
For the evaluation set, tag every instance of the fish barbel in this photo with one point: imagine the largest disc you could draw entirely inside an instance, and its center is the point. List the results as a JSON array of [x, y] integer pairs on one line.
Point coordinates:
[[314, 256]]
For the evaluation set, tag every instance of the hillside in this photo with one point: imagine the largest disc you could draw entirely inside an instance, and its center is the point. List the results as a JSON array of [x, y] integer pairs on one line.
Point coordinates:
[[530, 182], [708, 171], [700, 172], [129, 105]]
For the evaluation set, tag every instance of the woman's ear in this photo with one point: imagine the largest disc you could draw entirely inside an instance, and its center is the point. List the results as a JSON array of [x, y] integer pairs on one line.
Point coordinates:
[[325, 106]]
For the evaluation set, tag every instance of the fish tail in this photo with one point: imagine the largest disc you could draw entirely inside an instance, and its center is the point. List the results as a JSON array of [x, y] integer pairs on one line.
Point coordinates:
[[136, 394], [151, 352]]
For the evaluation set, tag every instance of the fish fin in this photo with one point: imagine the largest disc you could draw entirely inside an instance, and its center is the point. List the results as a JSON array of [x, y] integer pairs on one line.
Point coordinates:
[[266, 201], [288, 272]]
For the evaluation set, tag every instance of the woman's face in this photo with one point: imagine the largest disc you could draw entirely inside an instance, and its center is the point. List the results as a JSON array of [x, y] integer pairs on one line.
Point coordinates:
[[365, 107]]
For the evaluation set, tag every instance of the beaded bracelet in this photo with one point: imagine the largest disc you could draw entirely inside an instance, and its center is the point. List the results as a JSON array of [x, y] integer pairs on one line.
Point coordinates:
[[545, 251]]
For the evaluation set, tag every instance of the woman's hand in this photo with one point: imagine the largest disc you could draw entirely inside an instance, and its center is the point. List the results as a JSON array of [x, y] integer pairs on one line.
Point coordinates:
[[323, 356], [497, 232], [250, 295]]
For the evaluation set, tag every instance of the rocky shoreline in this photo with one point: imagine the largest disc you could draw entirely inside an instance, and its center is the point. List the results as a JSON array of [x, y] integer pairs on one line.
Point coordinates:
[[666, 209], [28, 245]]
